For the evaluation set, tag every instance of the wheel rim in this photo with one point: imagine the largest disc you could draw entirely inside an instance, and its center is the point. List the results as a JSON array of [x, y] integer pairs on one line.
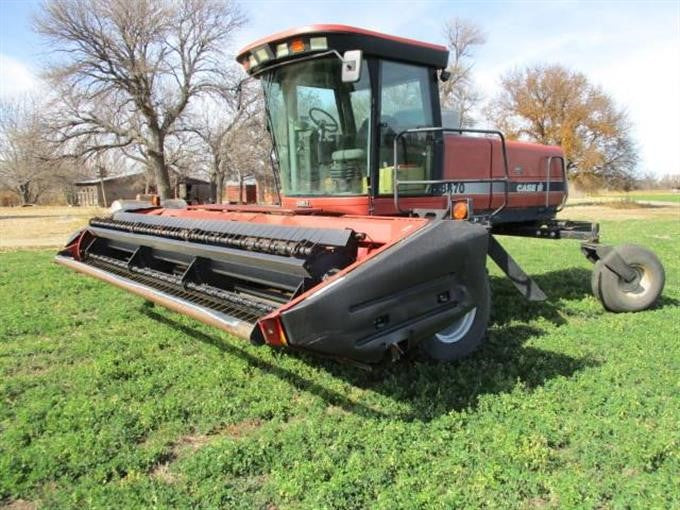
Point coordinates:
[[641, 284], [458, 329]]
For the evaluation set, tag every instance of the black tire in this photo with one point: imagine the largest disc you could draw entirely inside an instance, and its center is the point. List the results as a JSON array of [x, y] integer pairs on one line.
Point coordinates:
[[616, 294], [469, 331], [595, 280]]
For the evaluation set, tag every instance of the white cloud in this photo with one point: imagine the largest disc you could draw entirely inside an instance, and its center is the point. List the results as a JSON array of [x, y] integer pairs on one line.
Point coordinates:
[[15, 77], [637, 63], [646, 83]]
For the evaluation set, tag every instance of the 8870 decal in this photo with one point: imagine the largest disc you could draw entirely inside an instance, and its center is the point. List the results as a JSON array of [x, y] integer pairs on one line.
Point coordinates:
[[459, 188]]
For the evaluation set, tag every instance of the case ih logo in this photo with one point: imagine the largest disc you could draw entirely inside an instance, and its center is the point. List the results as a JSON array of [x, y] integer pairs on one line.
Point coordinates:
[[483, 188], [529, 187]]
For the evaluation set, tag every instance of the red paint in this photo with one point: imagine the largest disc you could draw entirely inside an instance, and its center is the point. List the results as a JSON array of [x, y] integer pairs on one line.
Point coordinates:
[[465, 157], [359, 204], [272, 330], [379, 231], [261, 208], [80, 244], [340, 29]]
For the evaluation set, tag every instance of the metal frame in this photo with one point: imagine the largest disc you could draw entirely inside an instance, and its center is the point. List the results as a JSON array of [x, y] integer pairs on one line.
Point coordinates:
[[522, 281], [505, 180], [552, 229], [609, 256], [564, 179]]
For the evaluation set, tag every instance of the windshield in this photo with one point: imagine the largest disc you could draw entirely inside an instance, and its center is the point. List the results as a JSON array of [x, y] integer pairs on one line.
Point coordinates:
[[320, 126]]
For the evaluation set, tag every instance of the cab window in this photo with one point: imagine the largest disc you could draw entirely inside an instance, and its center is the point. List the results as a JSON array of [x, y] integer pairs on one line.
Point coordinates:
[[405, 103], [321, 127]]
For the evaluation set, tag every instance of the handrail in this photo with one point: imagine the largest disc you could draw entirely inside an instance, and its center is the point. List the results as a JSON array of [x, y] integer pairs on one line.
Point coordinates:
[[564, 180], [396, 183]]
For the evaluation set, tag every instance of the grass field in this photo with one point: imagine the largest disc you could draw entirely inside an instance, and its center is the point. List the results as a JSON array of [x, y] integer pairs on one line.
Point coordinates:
[[109, 403], [655, 197], [648, 196]]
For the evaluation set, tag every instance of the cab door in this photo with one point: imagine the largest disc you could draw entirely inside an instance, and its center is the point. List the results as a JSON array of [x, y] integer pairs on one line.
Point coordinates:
[[407, 100]]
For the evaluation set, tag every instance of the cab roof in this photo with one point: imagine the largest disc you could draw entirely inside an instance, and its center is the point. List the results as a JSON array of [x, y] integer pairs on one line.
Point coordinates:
[[343, 37]]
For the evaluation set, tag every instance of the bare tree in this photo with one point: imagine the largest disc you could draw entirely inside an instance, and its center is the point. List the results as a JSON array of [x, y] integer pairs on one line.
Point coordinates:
[[458, 92], [247, 151], [29, 164], [670, 181], [550, 104], [220, 125], [128, 69]]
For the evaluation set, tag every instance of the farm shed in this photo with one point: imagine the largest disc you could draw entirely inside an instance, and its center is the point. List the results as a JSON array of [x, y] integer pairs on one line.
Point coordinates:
[[102, 191], [250, 192], [194, 191], [235, 193]]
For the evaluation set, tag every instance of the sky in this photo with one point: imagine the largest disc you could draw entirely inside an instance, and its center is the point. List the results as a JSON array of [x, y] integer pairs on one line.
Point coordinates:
[[630, 48]]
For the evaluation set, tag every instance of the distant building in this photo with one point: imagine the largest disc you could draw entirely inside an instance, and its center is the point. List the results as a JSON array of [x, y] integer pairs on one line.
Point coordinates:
[[194, 191], [235, 193], [249, 193], [101, 192]]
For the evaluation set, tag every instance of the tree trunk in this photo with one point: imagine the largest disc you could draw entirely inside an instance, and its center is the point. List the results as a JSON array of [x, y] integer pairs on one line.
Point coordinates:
[[219, 184], [216, 178], [160, 172], [25, 193], [160, 169], [212, 195]]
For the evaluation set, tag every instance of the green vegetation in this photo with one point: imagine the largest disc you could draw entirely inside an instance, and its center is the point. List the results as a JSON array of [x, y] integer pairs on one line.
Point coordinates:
[[109, 403], [656, 197], [650, 196]]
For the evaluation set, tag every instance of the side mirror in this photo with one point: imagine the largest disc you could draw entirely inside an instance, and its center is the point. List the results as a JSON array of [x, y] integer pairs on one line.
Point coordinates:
[[351, 66]]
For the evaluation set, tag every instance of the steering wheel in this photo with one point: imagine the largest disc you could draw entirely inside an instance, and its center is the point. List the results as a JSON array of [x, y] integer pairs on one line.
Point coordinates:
[[330, 127]]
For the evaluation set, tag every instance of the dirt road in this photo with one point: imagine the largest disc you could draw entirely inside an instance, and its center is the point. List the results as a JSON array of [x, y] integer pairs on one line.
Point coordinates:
[[41, 227]]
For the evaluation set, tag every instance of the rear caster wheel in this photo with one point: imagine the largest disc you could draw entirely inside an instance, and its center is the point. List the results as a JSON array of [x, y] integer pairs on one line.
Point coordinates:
[[618, 295], [464, 335]]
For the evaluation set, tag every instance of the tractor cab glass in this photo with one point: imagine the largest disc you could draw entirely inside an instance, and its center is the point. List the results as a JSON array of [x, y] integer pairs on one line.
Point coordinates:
[[324, 129], [321, 127], [405, 103]]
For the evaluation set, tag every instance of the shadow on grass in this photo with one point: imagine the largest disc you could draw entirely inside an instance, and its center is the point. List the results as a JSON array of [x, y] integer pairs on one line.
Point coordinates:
[[563, 285], [665, 301], [304, 384], [423, 390], [566, 284]]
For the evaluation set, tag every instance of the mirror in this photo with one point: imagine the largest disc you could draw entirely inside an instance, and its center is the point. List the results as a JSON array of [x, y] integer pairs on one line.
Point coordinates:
[[351, 66]]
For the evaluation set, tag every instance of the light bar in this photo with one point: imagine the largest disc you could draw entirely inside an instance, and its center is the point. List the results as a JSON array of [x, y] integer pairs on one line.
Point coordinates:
[[282, 50], [261, 55], [297, 45], [318, 43], [265, 53]]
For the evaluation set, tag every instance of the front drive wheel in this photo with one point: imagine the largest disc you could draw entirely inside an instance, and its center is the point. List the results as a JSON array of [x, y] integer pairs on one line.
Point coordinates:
[[464, 335], [616, 294]]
